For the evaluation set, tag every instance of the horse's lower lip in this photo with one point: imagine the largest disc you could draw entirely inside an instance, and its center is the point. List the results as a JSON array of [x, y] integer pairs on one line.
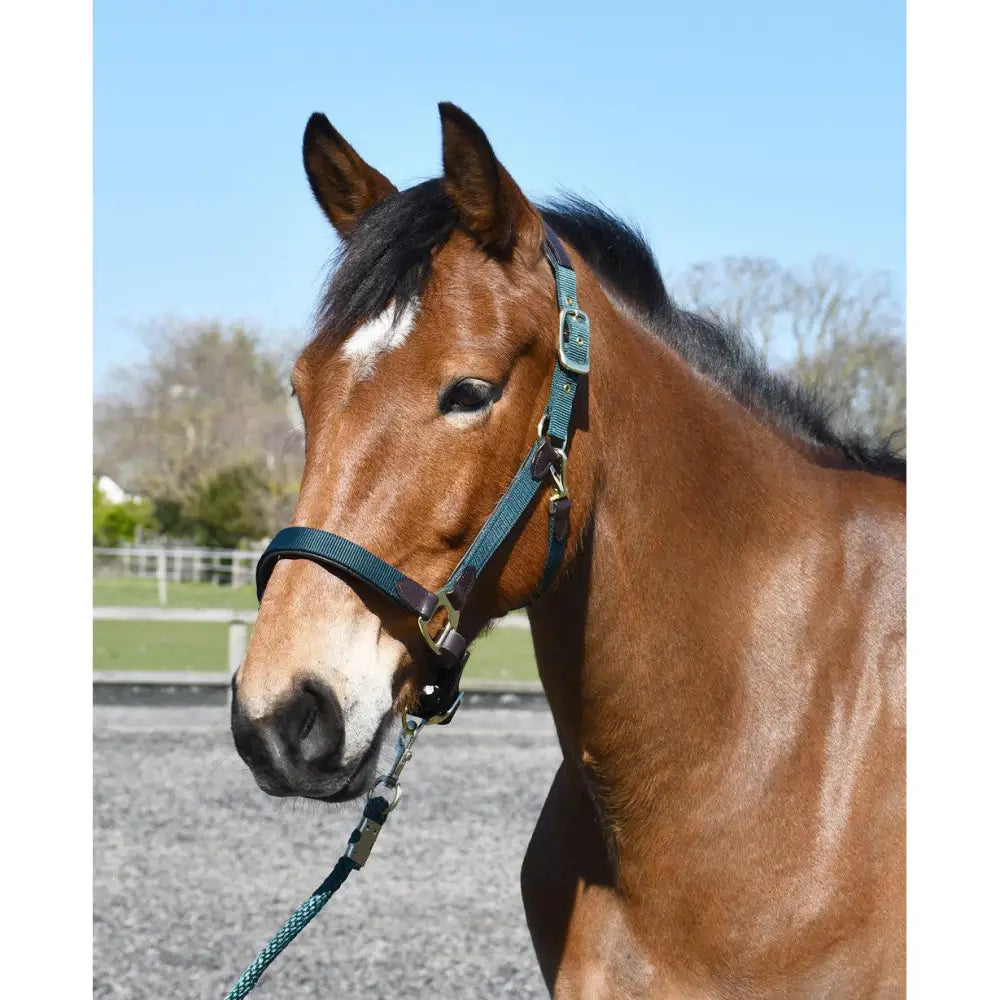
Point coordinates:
[[352, 788], [358, 780], [345, 790], [270, 788]]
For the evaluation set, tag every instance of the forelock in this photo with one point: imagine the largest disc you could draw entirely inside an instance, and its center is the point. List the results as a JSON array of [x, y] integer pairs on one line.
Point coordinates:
[[386, 259]]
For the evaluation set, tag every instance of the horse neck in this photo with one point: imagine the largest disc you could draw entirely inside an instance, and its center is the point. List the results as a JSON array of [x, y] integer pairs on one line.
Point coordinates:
[[639, 644]]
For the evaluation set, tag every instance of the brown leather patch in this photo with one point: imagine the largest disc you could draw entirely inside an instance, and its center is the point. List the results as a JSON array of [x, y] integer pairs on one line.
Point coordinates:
[[419, 601], [544, 457], [452, 647], [560, 518]]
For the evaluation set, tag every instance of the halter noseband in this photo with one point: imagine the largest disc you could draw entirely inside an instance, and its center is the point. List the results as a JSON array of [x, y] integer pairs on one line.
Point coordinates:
[[547, 457]]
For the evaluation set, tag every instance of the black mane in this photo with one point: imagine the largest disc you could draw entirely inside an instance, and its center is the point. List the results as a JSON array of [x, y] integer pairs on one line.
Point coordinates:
[[388, 259], [623, 260]]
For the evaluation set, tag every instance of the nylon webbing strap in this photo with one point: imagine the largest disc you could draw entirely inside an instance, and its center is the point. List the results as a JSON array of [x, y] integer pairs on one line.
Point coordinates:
[[505, 515], [553, 560], [333, 550], [573, 347]]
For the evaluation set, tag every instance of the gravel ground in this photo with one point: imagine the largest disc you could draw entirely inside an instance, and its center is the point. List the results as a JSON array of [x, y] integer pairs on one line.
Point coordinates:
[[195, 868]]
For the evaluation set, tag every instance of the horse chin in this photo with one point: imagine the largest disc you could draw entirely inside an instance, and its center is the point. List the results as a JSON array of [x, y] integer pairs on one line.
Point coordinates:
[[363, 776], [360, 781]]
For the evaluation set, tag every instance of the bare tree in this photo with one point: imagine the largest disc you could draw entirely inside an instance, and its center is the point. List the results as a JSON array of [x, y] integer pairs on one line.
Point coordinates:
[[208, 398], [749, 292], [832, 326], [864, 378]]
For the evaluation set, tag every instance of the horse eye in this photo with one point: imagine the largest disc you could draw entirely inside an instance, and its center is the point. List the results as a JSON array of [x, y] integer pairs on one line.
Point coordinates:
[[467, 396]]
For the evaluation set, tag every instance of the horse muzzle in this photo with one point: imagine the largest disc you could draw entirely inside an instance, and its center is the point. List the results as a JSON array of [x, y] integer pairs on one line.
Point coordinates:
[[298, 747]]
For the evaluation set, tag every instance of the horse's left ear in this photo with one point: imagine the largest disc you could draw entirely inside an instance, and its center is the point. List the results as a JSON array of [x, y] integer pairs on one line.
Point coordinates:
[[491, 206], [345, 186]]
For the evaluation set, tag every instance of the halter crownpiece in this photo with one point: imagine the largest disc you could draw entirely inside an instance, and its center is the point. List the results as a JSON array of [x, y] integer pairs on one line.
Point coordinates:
[[547, 458]]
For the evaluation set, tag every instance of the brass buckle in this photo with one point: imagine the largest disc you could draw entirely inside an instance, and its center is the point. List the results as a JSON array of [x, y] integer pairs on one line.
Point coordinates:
[[583, 341], [450, 626], [559, 478], [561, 490]]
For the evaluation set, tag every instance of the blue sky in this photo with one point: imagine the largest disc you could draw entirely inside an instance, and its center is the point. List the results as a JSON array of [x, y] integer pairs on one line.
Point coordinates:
[[770, 128]]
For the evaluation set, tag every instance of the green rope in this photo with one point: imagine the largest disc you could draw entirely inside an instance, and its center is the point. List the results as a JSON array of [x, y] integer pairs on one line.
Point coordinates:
[[291, 929], [376, 811]]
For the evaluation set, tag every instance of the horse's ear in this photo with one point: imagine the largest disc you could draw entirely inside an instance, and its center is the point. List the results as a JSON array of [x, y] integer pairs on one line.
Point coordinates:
[[344, 185], [491, 206]]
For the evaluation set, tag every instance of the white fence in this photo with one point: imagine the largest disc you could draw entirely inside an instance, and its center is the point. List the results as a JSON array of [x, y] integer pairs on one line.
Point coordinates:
[[225, 567]]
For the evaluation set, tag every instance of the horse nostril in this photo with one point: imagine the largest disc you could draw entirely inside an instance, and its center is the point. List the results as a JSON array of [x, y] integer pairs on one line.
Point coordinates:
[[315, 727], [309, 722], [304, 734]]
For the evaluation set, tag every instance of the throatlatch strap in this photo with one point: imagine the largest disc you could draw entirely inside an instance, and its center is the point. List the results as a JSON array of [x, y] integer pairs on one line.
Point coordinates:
[[557, 547]]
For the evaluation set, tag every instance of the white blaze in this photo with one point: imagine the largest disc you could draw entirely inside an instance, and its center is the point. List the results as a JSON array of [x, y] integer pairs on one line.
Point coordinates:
[[377, 336], [364, 659]]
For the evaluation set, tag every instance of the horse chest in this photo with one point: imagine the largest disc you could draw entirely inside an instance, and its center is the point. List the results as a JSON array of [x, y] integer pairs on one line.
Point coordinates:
[[602, 958]]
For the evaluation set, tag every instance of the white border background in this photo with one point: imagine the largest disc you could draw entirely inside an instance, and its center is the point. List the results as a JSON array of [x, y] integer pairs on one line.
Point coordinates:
[[45, 590], [953, 334], [953, 273]]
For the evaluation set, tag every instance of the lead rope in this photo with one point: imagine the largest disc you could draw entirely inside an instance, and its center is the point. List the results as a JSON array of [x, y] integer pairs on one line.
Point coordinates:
[[359, 846], [291, 929]]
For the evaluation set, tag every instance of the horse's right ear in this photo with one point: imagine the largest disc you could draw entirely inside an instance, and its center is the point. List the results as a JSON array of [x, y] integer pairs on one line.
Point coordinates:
[[344, 185], [491, 206]]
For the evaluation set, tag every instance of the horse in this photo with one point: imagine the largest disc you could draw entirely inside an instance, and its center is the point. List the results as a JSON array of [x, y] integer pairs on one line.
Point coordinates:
[[721, 645]]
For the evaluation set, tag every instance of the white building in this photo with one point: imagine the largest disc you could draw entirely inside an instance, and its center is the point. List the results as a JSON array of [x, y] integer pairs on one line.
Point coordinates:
[[112, 492]]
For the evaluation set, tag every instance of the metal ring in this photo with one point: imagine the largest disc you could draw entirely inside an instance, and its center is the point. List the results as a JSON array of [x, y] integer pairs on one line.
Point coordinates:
[[412, 724], [397, 791]]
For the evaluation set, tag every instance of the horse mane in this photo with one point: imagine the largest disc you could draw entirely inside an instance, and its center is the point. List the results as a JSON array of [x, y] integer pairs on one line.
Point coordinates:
[[624, 262], [387, 260]]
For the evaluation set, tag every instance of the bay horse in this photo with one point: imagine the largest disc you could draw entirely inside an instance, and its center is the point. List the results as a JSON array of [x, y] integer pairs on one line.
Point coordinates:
[[722, 645]]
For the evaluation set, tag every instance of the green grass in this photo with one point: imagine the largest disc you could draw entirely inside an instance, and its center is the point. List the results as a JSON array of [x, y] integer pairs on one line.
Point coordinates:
[[159, 646], [504, 654], [115, 593]]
